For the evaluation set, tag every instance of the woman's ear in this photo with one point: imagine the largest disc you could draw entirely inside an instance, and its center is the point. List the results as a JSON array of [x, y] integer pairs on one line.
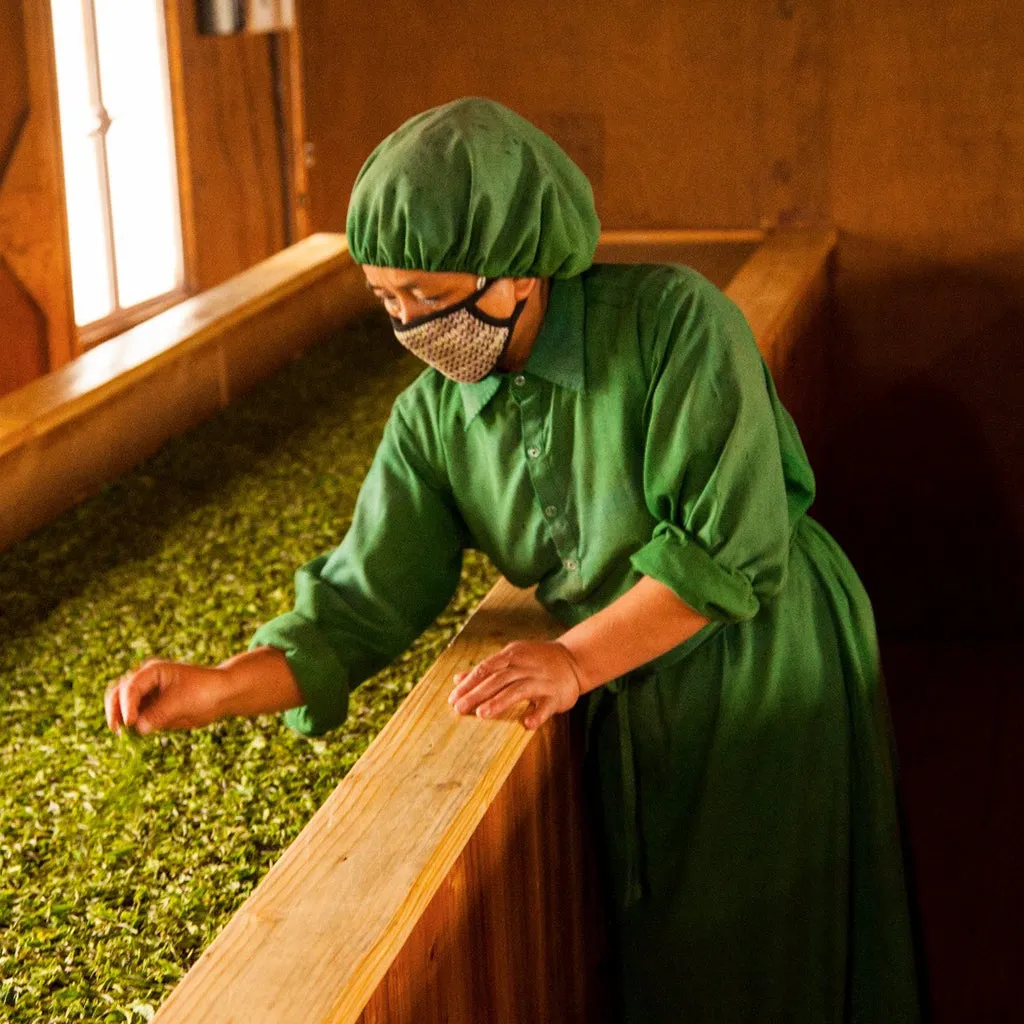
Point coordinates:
[[523, 286]]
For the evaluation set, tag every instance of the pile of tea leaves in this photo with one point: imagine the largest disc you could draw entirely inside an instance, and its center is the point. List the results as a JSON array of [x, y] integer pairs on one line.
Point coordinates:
[[122, 857]]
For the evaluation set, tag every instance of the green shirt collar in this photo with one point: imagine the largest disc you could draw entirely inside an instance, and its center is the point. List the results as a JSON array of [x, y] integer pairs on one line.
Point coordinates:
[[557, 354]]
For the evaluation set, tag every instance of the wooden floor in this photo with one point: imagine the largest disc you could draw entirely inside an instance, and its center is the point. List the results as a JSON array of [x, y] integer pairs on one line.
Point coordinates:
[[959, 718]]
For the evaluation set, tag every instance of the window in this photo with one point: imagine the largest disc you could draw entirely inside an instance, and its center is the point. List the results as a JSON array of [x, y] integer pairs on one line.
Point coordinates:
[[119, 165]]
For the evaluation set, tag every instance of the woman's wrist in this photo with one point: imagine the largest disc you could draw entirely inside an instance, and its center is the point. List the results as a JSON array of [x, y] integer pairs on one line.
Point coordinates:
[[637, 627], [256, 682], [587, 676]]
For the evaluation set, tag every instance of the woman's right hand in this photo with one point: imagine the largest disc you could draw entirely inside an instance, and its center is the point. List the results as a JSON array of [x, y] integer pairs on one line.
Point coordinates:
[[165, 695]]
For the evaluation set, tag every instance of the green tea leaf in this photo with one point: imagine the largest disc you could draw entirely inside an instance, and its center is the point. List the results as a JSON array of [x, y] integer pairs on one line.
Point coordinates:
[[124, 855]]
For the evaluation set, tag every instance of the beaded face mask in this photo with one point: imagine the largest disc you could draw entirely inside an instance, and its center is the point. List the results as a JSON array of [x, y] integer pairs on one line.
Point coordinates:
[[461, 341]]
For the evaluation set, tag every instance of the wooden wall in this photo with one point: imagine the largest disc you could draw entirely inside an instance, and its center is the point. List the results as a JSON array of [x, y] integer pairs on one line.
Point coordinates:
[[704, 114], [35, 283], [235, 207], [924, 479], [926, 482]]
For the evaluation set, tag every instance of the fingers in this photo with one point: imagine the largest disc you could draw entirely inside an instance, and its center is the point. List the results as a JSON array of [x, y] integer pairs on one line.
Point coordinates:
[[468, 681], [131, 692], [163, 715], [535, 671], [129, 701], [540, 712], [526, 689], [112, 705], [474, 698]]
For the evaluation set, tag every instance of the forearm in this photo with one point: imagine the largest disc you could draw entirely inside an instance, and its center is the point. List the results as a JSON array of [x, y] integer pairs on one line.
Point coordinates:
[[257, 682], [645, 622]]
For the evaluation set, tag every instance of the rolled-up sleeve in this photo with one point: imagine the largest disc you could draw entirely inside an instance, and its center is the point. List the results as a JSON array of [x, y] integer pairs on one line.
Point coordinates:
[[360, 606], [714, 478]]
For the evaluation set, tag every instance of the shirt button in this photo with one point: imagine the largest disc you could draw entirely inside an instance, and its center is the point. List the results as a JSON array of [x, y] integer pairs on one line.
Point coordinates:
[[571, 564], [550, 511], [519, 381], [533, 452]]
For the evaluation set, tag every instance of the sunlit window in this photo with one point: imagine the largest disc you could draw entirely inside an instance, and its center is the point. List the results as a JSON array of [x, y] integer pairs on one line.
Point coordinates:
[[118, 143]]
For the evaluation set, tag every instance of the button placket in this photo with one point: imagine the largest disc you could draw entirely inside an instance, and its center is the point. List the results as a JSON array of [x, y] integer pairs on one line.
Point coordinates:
[[543, 475]]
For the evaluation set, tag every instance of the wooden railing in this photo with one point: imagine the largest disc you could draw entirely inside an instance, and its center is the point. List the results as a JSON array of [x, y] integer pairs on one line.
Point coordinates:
[[66, 434], [447, 878], [451, 876]]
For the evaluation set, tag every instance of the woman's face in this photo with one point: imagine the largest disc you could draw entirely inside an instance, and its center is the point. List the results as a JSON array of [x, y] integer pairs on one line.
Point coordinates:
[[408, 294]]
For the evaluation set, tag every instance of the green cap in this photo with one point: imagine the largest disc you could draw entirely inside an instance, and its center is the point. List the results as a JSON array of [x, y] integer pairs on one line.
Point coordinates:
[[473, 187]]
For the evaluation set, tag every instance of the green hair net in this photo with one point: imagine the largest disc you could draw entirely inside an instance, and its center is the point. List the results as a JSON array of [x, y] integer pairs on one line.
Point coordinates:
[[472, 186]]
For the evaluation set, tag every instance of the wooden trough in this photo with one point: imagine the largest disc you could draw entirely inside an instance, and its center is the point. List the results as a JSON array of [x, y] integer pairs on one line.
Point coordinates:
[[451, 875]]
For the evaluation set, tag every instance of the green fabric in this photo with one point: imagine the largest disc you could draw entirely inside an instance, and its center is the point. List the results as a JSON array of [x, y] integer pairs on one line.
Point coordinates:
[[513, 203], [743, 780]]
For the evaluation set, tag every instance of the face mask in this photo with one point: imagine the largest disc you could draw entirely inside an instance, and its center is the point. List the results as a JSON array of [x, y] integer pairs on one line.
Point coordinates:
[[461, 341]]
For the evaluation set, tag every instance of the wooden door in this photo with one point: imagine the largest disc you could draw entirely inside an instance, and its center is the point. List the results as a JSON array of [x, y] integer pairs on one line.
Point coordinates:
[[36, 322]]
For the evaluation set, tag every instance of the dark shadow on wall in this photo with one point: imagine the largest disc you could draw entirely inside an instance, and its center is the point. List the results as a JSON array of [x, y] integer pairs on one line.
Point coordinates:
[[923, 485], [923, 478]]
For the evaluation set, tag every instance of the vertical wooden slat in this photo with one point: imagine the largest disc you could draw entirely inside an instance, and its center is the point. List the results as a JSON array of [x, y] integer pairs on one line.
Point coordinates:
[[36, 326]]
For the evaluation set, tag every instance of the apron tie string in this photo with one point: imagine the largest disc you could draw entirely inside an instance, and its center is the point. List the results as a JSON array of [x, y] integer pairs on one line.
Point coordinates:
[[632, 884]]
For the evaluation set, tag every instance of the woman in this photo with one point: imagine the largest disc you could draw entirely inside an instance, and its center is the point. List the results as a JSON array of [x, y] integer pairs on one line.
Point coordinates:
[[611, 434]]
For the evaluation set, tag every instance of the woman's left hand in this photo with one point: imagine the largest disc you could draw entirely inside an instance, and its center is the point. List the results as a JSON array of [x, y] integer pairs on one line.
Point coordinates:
[[546, 674]]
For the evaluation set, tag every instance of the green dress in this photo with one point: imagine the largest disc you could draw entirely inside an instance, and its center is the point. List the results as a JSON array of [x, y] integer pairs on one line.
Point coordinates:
[[744, 779]]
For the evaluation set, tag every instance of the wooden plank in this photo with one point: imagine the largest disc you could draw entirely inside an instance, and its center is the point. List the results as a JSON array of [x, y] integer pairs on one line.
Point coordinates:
[[222, 93], [179, 95], [98, 374], [320, 931], [718, 255], [36, 326], [655, 238], [65, 435], [772, 284], [516, 931], [784, 290]]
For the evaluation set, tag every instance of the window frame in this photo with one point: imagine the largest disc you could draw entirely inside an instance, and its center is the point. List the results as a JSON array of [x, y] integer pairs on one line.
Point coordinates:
[[121, 318]]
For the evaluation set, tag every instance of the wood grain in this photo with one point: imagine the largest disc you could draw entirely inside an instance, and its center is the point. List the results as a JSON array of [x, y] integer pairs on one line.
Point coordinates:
[[64, 435], [223, 101], [320, 932], [785, 291], [718, 255], [772, 285], [515, 931], [36, 325], [680, 115]]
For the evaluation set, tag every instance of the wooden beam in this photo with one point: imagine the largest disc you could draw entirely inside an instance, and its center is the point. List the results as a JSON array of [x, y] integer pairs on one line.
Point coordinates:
[[785, 290], [64, 435], [773, 283], [685, 236], [320, 931], [717, 254]]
